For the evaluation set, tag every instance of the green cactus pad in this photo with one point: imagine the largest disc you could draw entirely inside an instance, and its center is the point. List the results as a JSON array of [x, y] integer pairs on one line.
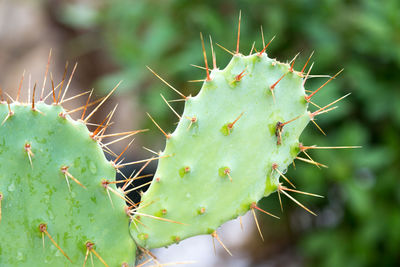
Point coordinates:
[[224, 161], [51, 174]]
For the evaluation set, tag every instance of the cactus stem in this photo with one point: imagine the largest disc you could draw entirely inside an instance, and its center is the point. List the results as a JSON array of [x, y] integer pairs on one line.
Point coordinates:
[[305, 65], [230, 52], [20, 85], [266, 46], [170, 86], [214, 59], [322, 86], [275, 167], [311, 162], [215, 235], [45, 75], [158, 126], [173, 110], [205, 58], [43, 229], [282, 190]]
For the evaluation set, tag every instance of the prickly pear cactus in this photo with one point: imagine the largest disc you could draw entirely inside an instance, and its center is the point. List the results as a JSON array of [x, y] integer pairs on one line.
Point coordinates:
[[55, 193], [233, 143]]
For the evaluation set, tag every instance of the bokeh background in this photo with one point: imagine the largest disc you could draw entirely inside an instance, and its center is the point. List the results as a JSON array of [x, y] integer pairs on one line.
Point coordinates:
[[358, 222]]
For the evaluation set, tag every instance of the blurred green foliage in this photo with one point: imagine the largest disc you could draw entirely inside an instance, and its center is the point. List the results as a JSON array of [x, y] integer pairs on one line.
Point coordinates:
[[359, 220]]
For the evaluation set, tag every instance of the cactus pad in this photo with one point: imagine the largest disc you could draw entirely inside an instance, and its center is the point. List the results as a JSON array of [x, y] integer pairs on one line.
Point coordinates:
[[55, 209], [233, 142]]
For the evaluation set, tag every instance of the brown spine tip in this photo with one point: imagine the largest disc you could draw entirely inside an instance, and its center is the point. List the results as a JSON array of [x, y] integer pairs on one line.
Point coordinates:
[[272, 87], [64, 169], [43, 227], [89, 245], [239, 77], [274, 166]]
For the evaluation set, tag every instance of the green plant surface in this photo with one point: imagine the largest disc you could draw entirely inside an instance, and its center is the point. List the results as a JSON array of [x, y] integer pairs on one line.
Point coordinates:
[[233, 142], [55, 209]]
